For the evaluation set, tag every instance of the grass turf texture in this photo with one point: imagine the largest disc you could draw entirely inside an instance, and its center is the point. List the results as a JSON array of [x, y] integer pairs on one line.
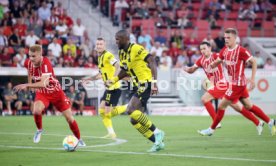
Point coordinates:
[[236, 143]]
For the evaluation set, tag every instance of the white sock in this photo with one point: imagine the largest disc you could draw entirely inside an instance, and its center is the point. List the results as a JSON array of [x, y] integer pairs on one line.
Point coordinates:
[[156, 131], [110, 130]]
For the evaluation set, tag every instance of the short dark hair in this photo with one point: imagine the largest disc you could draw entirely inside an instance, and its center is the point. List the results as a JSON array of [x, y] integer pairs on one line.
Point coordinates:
[[205, 43], [100, 38], [232, 31]]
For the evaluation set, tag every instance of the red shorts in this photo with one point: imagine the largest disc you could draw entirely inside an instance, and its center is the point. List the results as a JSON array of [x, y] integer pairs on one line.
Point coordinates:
[[218, 90], [234, 93], [58, 99]]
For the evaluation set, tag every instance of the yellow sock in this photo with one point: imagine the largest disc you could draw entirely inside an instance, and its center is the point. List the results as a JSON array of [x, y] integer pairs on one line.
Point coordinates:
[[141, 118], [118, 110], [145, 131], [106, 118]]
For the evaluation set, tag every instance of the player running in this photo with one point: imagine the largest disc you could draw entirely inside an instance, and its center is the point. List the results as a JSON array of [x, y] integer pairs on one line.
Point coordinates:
[[137, 63], [108, 67], [235, 58], [48, 90], [217, 78]]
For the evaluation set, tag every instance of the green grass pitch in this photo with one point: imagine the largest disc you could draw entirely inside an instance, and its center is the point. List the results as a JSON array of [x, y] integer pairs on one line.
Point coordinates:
[[235, 144]]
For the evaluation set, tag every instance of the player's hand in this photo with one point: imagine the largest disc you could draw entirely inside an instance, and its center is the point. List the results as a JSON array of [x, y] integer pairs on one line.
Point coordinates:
[[154, 89], [252, 84], [20, 87], [111, 81], [185, 68]]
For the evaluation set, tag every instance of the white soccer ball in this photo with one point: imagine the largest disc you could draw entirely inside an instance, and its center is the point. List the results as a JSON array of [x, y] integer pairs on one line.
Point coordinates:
[[70, 143]]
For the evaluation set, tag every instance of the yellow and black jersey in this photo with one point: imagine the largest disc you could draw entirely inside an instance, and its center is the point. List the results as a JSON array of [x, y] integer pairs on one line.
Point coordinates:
[[134, 63], [106, 67]]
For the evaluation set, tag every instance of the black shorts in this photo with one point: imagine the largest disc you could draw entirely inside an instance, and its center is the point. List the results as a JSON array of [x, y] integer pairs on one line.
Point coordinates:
[[111, 97], [142, 92]]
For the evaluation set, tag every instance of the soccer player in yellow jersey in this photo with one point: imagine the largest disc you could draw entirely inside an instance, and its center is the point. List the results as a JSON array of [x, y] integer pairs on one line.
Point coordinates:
[[137, 63], [108, 66]]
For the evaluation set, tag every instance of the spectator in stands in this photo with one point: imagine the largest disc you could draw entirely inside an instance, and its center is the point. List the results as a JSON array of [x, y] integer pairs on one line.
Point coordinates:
[[7, 30], [254, 6], [182, 59], [48, 30], [266, 5], [195, 57], [160, 38], [86, 45], [77, 99], [176, 37], [24, 99], [68, 59], [52, 58], [259, 59], [16, 10], [7, 19], [247, 13], [191, 43], [15, 40], [213, 9], [70, 46], [89, 63], [78, 30], [132, 37], [226, 5], [20, 58], [156, 51], [220, 41], [3, 39], [67, 19], [6, 58], [142, 11], [53, 18], [210, 40], [119, 6], [55, 47], [145, 38], [79, 62], [21, 27], [74, 38], [213, 22], [269, 64], [166, 61], [59, 9], [31, 39], [162, 3], [36, 24], [62, 30], [44, 12], [184, 19], [9, 97], [174, 52], [171, 20], [150, 4], [60, 62]]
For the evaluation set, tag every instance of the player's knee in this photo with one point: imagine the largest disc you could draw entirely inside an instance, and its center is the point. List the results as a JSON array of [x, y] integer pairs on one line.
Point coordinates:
[[203, 100], [247, 106], [133, 122], [102, 112]]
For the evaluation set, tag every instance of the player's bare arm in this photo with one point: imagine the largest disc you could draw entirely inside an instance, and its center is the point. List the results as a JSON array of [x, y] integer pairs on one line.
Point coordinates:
[[152, 65], [253, 62], [190, 70], [115, 79], [44, 82], [216, 63]]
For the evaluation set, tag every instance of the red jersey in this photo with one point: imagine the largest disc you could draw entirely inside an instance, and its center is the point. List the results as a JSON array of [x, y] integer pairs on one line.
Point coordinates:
[[214, 75], [44, 69], [235, 60]]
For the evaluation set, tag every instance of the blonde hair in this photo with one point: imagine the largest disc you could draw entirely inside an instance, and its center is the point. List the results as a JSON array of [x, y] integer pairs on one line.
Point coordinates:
[[35, 48]]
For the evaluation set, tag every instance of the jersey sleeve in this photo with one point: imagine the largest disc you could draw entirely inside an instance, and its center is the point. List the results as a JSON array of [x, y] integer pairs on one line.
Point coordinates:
[[26, 63], [46, 68], [198, 62], [245, 54], [221, 54], [111, 59]]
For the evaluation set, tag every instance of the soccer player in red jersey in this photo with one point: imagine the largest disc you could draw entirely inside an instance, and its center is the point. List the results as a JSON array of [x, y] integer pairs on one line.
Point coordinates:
[[216, 76], [48, 90], [235, 58]]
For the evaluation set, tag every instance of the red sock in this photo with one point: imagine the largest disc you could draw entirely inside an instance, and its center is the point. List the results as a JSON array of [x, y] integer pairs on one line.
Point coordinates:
[[75, 129], [258, 112], [38, 121], [218, 118], [210, 108], [250, 116]]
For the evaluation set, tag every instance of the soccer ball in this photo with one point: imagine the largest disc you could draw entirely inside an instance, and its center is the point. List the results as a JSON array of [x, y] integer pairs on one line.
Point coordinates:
[[70, 143]]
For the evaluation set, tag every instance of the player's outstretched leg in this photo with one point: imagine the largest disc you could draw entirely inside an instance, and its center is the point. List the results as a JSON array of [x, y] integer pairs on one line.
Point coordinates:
[[221, 110], [206, 100], [259, 112], [118, 110], [73, 126], [250, 116], [37, 112], [133, 110]]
